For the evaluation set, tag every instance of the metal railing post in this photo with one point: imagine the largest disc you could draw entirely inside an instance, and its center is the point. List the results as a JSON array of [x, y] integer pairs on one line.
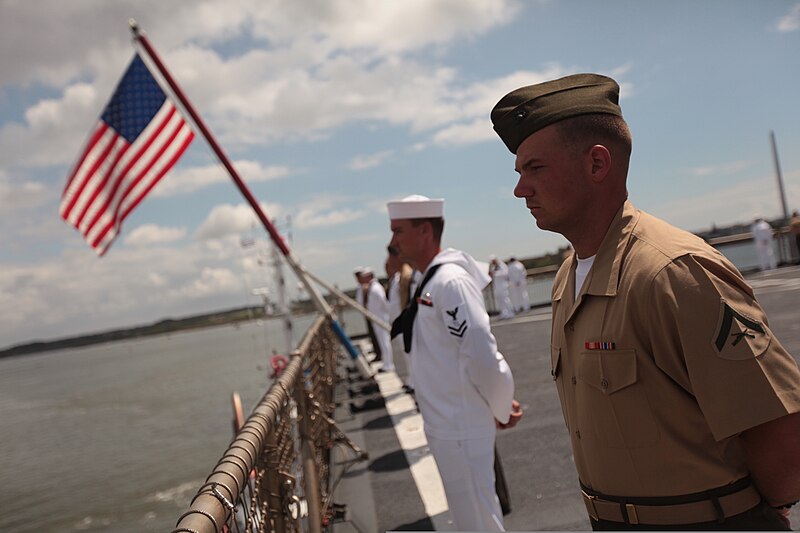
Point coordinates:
[[272, 477], [310, 475]]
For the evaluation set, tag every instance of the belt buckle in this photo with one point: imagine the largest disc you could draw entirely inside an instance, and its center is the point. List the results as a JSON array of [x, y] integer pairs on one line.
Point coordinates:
[[633, 518], [589, 500]]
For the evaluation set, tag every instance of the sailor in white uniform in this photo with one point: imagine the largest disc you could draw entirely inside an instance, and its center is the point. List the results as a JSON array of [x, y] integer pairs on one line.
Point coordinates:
[[518, 285], [376, 303], [358, 272], [359, 297], [464, 386], [499, 274], [762, 236]]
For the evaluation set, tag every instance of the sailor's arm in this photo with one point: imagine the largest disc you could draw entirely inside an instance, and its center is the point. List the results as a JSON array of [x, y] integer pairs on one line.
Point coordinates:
[[486, 367]]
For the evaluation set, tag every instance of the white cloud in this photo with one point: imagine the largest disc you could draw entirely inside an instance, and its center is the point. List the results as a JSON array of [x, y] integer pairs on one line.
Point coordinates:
[[227, 219], [722, 169], [790, 21], [211, 281], [156, 280], [149, 234], [80, 293], [48, 135], [186, 181], [386, 27], [25, 195], [308, 218], [457, 134], [364, 162], [326, 211], [471, 123], [327, 64]]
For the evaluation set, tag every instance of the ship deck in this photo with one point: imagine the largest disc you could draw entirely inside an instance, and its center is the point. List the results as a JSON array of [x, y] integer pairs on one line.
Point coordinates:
[[397, 487]]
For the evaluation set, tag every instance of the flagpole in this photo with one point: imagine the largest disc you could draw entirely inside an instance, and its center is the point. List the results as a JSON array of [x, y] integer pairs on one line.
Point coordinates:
[[349, 301], [276, 237]]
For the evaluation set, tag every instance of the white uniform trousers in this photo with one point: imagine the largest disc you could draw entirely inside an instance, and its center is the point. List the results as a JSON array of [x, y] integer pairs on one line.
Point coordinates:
[[467, 471], [502, 300], [385, 340], [397, 347], [519, 297], [766, 255]]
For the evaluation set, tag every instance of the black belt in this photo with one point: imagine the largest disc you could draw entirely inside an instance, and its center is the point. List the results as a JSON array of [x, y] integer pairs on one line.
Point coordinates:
[[709, 506]]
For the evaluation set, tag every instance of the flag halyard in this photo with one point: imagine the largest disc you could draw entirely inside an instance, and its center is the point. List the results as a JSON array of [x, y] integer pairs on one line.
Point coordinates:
[[139, 137]]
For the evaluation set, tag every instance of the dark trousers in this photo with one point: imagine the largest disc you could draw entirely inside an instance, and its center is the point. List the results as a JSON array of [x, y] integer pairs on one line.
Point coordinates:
[[760, 518]]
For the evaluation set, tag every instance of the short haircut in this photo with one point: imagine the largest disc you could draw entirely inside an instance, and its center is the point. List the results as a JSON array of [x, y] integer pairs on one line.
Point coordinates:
[[437, 225], [598, 128]]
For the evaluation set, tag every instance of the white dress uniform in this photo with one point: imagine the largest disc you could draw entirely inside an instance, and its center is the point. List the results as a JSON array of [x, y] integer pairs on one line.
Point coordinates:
[[393, 295], [762, 235], [462, 385], [499, 273], [517, 280], [379, 306]]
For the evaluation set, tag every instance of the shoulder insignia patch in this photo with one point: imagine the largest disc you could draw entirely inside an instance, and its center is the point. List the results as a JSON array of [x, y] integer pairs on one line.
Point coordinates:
[[738, 336], [456, 328]]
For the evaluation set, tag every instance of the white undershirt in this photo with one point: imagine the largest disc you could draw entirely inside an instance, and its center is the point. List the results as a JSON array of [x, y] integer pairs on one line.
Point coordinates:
[[581, 271]]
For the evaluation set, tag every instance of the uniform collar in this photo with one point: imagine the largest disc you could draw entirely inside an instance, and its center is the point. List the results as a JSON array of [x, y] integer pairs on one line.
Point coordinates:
[[604, 276], [561, 288]]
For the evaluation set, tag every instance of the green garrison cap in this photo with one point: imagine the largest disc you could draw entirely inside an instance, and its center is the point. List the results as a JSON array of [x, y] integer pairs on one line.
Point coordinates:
[[525, 111]]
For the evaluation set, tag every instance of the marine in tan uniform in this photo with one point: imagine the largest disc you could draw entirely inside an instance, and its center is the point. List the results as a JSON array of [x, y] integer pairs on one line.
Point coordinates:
[[681, 405]]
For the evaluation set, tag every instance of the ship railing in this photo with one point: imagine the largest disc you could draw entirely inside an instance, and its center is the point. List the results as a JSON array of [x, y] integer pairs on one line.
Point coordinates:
[[784, 247], [276, 474]]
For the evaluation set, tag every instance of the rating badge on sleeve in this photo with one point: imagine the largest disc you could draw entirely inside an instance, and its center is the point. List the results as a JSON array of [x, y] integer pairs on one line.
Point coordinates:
[[455, 327]]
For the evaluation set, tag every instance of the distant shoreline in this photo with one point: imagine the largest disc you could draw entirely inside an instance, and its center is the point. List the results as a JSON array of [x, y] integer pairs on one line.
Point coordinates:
[[716, 236], [168, 325]]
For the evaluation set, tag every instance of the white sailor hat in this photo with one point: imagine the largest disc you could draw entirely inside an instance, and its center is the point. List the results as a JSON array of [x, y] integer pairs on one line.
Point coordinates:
[[365, 271], [416, 206], [358, 270]]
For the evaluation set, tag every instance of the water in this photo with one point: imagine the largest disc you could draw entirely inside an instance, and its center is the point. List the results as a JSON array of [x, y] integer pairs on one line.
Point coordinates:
[[119, 436]]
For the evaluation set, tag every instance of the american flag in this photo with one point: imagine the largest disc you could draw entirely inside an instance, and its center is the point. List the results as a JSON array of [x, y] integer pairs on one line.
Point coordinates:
[[139, 137]]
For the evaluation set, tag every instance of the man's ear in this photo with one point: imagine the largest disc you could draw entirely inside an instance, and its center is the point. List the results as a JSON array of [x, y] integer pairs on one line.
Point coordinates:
[[600, 161]]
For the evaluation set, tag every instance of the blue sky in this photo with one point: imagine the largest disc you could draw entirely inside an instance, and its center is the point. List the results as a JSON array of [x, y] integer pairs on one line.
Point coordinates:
[[331, 108]]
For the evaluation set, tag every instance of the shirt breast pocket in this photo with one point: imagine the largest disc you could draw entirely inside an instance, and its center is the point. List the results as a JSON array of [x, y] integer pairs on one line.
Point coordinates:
[[612, 401]]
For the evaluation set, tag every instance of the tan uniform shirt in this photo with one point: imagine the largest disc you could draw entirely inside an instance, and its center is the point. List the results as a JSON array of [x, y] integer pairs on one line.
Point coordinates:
[[662, 361]]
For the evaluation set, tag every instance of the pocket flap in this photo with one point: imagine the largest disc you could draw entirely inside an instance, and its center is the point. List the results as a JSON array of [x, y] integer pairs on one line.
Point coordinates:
[[608, 370], [555, 361]]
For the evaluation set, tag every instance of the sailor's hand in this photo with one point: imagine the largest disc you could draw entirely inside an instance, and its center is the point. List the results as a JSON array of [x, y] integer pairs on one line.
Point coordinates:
[[516, 415], [783, 514]]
